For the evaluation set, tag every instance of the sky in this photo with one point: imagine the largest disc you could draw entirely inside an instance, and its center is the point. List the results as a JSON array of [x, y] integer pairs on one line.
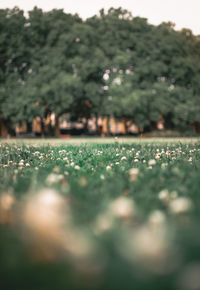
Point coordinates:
[[184, 13]]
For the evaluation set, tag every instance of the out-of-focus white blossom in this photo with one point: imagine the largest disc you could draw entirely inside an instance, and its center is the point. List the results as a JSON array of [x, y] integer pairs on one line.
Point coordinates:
[[122, 207], [180, 205], [108, 168], [54, 178], [164, 195], [152, 162], [133, 173]]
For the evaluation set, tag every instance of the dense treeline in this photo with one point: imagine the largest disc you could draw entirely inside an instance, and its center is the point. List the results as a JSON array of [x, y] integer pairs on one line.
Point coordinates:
[[112, 64]]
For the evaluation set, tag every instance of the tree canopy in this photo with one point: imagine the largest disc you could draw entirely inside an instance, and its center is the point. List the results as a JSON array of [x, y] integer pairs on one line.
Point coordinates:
[[112, 64]]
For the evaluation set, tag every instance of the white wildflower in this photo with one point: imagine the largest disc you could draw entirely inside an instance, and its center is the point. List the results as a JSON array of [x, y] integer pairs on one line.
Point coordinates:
[[157, 218], [164, 195], [104, 223], [21, 163], [164, 165], [157, 157], [133, 172], [152, 162], [54, 178], [180, 205], [123, 158], [108, 168], [122, 207]]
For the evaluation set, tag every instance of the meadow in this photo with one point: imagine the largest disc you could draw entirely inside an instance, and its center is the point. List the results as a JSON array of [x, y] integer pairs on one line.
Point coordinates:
[[115, 215]]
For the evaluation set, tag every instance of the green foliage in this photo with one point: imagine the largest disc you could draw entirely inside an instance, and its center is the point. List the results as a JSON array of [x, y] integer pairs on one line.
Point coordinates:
[[120, 65]]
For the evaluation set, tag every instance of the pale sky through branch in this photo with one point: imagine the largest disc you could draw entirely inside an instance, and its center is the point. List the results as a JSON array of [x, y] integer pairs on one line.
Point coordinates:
[[185, 13]]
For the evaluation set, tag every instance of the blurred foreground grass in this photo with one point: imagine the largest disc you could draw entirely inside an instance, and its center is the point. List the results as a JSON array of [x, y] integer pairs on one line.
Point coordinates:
[[100, 216]]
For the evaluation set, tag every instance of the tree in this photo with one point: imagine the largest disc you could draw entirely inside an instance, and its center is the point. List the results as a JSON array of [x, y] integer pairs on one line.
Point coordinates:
[[14, 57], [112, 64]]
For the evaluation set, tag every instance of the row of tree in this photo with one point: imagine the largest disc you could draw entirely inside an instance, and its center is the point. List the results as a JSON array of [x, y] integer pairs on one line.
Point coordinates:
[[112, 64]]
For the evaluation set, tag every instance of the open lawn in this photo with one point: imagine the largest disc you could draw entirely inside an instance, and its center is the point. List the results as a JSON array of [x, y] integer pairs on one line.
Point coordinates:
[[101, 140], [106, 214]]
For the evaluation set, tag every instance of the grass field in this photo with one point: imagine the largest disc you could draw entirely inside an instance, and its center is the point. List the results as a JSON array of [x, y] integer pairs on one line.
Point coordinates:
[[101, 140], [121, 215]]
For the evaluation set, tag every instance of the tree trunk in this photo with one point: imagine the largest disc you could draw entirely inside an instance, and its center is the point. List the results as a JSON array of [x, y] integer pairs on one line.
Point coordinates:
[[42, 127], [57, 128], [96, 125], [29, 127], [153, 125], [197, 127], [168, 123], [3, 128], [146, 129], [125, 126], [86, 127], [50, 130], [108, 126]]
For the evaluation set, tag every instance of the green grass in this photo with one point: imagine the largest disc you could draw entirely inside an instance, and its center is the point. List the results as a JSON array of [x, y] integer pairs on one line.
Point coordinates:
[[77, 217]]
